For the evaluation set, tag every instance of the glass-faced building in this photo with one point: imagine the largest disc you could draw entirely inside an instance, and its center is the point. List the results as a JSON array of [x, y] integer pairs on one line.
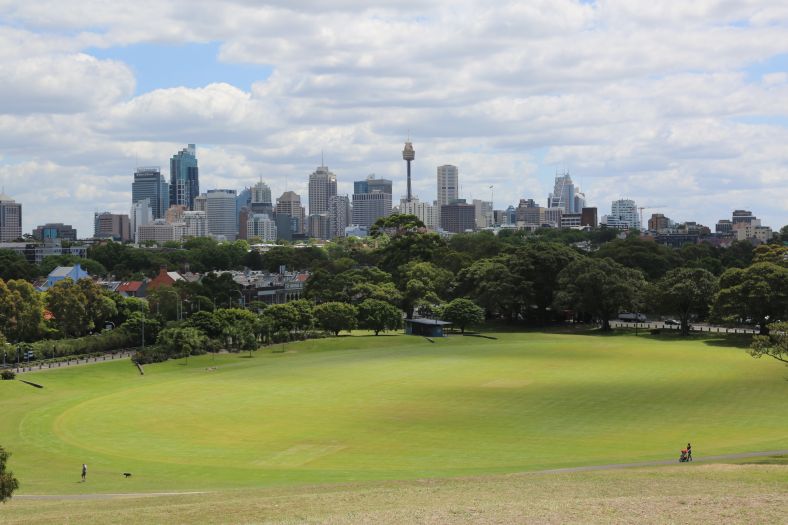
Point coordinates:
[[184, 177], [149, 184]]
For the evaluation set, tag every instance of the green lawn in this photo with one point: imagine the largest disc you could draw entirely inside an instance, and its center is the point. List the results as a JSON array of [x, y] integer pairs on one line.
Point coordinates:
[[395, 407]]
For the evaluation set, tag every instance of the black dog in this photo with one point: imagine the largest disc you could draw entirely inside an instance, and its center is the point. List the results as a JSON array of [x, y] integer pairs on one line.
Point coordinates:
[[127, 474]]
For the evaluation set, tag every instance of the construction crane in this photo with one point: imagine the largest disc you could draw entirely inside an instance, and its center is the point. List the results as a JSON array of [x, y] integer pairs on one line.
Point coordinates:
[[641, 208]]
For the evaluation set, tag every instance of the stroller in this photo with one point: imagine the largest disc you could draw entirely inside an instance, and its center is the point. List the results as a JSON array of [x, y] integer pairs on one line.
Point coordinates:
[[684, 457]]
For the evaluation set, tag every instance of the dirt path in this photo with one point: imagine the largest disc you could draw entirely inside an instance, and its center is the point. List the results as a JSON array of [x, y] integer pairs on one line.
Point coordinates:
[[706, 459]]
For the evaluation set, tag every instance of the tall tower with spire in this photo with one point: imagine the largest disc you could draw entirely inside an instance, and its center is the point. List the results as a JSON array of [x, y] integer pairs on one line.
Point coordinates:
[[408, 155]]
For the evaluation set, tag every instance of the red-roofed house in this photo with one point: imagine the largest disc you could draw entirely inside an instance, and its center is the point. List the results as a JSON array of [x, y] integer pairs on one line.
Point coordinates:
[[132, 289], [164, 278]]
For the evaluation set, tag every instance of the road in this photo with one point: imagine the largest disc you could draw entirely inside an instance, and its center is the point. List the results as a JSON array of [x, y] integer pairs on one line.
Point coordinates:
[[695, 327]]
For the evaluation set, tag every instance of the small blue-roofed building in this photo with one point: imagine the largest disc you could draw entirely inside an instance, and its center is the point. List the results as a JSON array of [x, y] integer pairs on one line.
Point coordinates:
[[75, 273], [425, 327]]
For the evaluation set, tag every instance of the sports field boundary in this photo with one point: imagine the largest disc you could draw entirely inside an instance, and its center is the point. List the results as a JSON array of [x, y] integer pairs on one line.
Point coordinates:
[[566, 470]]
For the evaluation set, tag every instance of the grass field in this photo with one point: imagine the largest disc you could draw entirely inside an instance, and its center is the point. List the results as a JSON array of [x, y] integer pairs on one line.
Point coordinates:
[[367, 409]]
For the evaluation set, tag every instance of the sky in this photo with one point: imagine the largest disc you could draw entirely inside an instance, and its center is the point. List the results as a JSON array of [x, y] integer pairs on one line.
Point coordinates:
[[681, 106]]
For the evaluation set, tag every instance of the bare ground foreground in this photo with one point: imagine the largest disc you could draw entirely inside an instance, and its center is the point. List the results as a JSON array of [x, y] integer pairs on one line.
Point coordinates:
[[752, 491]]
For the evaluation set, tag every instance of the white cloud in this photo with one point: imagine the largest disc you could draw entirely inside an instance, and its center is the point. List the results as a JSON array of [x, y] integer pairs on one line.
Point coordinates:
[[665, 102]]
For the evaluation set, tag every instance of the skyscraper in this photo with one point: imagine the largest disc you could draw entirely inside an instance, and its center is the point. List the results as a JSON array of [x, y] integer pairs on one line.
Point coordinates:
[[184, 177], [338, 216], [108, 225], [10, 219], [141, 215], [623, 215], [408, 154], [458, 216], [149, 184], [448, 184], [289, 205], [261, 193], [566, 195], [322, 186], [220, 214]]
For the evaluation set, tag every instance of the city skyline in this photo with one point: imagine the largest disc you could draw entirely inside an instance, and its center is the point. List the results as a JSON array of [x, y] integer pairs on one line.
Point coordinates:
[[628, 97]]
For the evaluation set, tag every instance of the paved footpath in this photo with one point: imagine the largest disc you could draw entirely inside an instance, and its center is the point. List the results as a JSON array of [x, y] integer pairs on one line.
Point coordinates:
[[706, 459], [40, 367]]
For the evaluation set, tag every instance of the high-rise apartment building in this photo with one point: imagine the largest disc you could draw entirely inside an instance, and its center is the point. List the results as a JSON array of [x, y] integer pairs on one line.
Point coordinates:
[[184, 177], [448, 184], [623, 215], [261, 226], [10, 219], [322, 186], [220, 214], [338, 216], [56, 230], [114, 226], [566, 195], [149, 184], [427, 213], [195, 224]]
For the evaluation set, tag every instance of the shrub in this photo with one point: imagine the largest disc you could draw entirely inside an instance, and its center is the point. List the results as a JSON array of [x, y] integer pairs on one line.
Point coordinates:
[[7, 375]]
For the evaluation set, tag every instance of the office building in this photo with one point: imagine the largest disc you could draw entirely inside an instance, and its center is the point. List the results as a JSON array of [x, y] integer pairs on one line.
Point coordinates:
[[723, 226], [372, 184], [566, 195], [571, 220], [339, 216], [48, 231], [483, 213], [289, 205], [149, 184], [141, 214], [369, 207], [318, 226], [184, 177], [159, 231], [458, 217], [524, 213], [261, 193], [552, 217], [200, 203], [588, 217], [322, 186], [261, 226], [10, 219], [448, 184], [220, 214], [175, 213], [113, 226], [742, 217]]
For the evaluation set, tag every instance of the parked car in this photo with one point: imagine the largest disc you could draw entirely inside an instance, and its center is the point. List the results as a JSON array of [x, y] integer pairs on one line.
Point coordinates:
[[632, 318], [671, 322]]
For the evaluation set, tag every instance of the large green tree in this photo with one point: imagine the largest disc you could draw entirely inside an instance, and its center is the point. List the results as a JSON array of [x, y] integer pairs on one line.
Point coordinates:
[[491, 284], [334, 317], [379, 316], [774, 345], [686, 292], [600, 287], [8, 483], [182, 342], [463, 313], [758, 293], [69, 307], [15, 266], [422, 282], [653, 259]]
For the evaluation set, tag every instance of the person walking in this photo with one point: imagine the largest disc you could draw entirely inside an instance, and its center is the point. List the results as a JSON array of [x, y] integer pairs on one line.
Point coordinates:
[[689, 452], [84, 471]]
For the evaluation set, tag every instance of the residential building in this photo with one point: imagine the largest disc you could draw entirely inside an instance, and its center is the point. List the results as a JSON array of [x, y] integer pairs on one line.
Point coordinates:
[[624, 215], [571, 220], [339, 215], [164, 278], [75, 273], [149, 184], [458, 217], [658, 222], [113, 226], [566, 195], [56, 230], [448, 184], [159, 231], [322, 186], [427, 213], [10, 219], [132, 289], [221, 215], [261, 226], [270, 288], [723, 226], [184, 177], [369, 207], [195, 224]]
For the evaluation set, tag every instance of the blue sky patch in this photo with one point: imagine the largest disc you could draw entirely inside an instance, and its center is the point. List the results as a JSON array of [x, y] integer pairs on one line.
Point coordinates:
[[193, 65]]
